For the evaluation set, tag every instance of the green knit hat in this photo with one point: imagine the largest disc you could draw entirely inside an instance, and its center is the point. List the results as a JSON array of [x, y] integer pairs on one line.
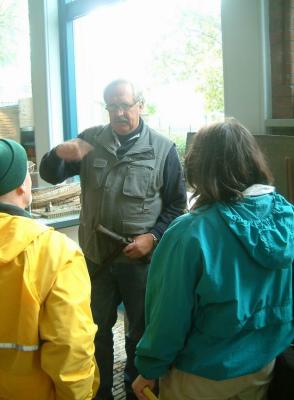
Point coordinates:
[[13, 165]]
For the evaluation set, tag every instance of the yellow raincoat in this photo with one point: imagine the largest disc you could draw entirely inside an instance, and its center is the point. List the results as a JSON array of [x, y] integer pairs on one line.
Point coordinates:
[[46, 326]]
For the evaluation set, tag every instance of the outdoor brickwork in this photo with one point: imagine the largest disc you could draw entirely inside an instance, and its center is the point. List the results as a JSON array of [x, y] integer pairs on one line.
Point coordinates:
[[281, 35]]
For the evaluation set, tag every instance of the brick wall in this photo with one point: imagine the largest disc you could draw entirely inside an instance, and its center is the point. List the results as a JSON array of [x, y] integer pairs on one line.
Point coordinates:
[[281, 32]]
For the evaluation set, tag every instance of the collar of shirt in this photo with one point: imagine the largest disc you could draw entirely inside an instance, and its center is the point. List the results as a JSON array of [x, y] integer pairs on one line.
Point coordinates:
[[123, 139]]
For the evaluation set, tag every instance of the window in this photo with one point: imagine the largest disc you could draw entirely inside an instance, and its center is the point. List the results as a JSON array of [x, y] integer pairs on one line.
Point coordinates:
[[15, 68], [172, 49]]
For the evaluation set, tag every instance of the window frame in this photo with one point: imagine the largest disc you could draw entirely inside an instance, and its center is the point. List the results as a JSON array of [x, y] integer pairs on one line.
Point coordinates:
[[68, 12]]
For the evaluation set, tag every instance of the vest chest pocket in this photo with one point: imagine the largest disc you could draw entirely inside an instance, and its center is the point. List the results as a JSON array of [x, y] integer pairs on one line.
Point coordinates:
[[137, 181], [99, 166]]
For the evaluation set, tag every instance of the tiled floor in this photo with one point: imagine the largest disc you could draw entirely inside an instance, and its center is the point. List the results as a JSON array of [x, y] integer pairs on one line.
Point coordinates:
[[119, 358]]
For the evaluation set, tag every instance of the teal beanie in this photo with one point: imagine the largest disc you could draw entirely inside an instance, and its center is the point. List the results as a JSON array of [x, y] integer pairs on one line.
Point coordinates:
[[13, 165]]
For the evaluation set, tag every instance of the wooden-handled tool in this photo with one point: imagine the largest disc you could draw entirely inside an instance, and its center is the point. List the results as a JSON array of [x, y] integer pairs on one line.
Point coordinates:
[[149, 394]]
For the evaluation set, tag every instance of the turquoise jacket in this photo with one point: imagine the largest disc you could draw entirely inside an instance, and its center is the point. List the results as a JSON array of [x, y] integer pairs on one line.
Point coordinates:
[[219, 296]]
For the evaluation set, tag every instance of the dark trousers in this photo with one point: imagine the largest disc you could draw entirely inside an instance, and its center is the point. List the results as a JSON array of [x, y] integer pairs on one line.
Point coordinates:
[[112, 285]]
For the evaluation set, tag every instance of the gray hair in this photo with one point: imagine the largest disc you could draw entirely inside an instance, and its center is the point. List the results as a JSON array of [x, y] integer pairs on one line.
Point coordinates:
[[137, 93]]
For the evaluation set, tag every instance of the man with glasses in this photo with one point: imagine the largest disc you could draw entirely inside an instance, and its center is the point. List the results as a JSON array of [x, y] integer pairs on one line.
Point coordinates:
[[132, 184], [46, 331]]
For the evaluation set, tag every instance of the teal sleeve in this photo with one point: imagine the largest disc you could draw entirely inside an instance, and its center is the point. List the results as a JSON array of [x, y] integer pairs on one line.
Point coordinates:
[[171, 299]]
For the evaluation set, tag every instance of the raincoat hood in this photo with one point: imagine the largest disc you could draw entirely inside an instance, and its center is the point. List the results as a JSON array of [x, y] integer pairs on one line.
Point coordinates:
[[10, 232], [264, 223]]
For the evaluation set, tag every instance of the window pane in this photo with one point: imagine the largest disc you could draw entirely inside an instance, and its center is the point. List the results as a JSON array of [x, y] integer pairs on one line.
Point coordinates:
[[171, 49], [15, 68]]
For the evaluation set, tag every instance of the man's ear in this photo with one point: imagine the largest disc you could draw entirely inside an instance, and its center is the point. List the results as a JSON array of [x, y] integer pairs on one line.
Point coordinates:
[[141, 106], [21, 189]]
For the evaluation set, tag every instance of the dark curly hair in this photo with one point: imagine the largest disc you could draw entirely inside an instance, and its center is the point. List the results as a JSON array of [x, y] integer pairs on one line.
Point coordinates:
[[223, 160]]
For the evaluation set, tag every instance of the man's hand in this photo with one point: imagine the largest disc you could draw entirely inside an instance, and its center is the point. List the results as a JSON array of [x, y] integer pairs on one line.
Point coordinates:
[[142, 245], [139, 384], [73, 150]]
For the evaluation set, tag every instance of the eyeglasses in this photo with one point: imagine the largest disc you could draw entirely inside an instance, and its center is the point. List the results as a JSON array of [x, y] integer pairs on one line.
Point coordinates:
[[122, 106], [31, 167]]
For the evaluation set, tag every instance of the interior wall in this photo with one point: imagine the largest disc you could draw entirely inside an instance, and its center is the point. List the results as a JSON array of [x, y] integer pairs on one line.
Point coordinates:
[[246, 62], [45, 71]]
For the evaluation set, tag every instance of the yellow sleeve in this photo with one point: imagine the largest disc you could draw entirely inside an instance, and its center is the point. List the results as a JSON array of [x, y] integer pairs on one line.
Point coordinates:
[[66, 326]]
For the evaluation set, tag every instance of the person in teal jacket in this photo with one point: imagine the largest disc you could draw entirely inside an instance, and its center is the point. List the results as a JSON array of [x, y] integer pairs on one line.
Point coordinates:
[[219, 301]]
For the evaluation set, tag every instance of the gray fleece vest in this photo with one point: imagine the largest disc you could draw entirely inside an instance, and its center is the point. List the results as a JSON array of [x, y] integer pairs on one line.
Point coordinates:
[[123, 195]]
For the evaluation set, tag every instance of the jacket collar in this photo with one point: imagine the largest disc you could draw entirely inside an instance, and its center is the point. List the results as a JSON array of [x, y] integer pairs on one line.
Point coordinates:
[[258, 189], [108, 139], [13, 210]]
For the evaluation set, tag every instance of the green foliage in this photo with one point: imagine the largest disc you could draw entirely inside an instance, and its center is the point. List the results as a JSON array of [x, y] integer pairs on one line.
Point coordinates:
[[150, 108], [180, 141], [194, 53], [11, 17], [212, 88]]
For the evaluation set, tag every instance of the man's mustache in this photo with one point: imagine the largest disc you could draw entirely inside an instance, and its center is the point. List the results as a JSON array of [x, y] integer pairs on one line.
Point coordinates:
[[118, 120]]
